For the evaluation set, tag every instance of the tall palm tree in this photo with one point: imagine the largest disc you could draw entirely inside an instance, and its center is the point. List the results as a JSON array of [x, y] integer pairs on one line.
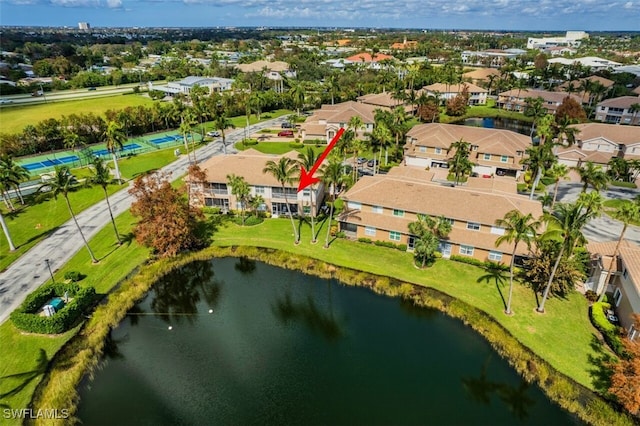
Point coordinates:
[[187, 122], [518, 228], [592, 175], [566, 225], [459, 163], [5, 229], [240, 189], [221, 123], [115, 138], [557, 172], [296, 91], [534, 108], [284, 171], [62, 183], [307, 159], [331, 175], [538, 159], [102, 177], [11, 174], [634, 109]]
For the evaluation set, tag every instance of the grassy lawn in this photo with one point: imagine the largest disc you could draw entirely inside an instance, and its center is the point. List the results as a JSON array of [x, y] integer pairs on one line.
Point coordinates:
[[20, 352], [483, 111], [14, 119], [612, 205], [275, 147]]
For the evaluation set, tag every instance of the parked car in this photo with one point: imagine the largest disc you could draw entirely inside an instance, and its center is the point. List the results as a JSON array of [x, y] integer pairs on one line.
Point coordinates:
[[372, 163], [286, 125], [37, 93], [286, 133], [213, 133], [5, 101], [91, 88], [362, 160]]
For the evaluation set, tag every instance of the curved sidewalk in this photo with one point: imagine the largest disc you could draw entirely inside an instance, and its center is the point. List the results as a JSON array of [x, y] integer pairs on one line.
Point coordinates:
[[30, 270]]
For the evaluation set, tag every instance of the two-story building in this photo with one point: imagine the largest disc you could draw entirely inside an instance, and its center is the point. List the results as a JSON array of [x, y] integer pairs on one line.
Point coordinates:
[[325, 122], [621, 110], [216, 191], [444, 92], [184, 86], [493, 151], [381, 207], [516, 99], [624, 282]]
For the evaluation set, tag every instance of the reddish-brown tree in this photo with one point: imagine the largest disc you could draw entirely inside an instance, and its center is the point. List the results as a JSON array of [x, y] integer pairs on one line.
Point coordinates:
[[457, 106], [166, 223], [625, 380], [571, 110]]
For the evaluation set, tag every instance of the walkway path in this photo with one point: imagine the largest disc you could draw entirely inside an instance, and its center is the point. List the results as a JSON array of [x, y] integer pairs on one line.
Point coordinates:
[[30, 270]]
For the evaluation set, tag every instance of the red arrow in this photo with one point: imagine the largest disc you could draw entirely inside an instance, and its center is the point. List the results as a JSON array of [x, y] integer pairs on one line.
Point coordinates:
[[307, 178]]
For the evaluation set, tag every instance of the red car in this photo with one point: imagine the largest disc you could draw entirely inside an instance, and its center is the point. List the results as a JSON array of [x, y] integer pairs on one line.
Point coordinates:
[[287, 133]]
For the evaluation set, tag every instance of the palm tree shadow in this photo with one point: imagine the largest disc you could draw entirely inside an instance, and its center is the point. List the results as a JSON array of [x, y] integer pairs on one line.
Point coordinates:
[[27, 377], [494, 271], [600, 370]]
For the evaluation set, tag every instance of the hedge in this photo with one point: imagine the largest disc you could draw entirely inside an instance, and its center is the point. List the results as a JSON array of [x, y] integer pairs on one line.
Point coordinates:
[[610, 332], [475, 262], [27, 317]]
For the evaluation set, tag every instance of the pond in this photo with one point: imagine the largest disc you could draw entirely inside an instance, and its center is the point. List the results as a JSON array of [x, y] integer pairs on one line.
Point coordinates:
[[232, 341], [518, 126]]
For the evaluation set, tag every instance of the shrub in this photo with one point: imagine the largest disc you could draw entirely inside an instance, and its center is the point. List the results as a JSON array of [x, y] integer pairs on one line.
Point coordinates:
[[74, 276], [364, 240], [610, 332], [468, 260], [249, 142], [295, 145], [622, 184], [401, 247], [591, 295], [211, 210]]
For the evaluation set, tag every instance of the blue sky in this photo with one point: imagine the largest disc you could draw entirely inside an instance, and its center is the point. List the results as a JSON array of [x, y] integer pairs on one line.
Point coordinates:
[[556, 15]]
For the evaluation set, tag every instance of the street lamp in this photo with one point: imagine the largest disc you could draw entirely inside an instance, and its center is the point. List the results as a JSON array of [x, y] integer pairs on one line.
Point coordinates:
[[50, 271]]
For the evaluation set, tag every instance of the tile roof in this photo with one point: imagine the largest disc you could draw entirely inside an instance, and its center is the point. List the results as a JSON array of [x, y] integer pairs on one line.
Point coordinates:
[[256, 66], [624, 102], [384, 99], [481, 73], [454, 88], [366, 57], [556, 97], [629, 253], [625, 135]]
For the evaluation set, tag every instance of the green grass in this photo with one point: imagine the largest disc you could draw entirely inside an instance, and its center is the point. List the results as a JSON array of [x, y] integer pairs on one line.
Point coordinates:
[[611, 205], [487, 111], [14, 119], [20, 351], [277, 148]]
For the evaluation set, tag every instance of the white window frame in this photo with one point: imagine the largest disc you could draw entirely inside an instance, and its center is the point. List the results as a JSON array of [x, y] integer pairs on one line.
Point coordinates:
[[393, 234], [370, 231], [486, 157], [504, 158], [438, 150], [376, 209], [422, 149], [259, 190], [617, 296], [353, 205], [494, 255], [465, 250], [473, 226]]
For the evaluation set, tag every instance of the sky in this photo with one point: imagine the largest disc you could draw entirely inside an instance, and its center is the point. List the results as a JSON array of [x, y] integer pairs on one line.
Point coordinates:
[[526, 15]]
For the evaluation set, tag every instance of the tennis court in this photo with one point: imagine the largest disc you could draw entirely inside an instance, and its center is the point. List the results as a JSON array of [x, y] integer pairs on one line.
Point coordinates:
[[50, 162], [165, 139], [125, 148]]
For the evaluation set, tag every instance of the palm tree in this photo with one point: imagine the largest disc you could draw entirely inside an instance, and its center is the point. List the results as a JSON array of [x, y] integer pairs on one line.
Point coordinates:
[[11, 174], [534, 108], [634, 109], [428, 231], [240, 189], [591, 174], [307, 159], [296, 91], [557, 172], [284, 171], [5, 229], [627, 212], [537, 160], [186, 128], [62, 183], [221, 123], [459, 163], [331, 175], [566, 225], [518, 228], [115, 138], [102, 177]]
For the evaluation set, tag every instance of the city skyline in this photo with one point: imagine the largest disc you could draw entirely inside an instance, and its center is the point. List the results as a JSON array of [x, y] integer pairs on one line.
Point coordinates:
[[517, 15]]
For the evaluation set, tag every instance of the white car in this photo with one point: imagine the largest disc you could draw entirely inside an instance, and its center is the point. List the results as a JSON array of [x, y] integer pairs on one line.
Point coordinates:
[[5, 101], [213, 133]]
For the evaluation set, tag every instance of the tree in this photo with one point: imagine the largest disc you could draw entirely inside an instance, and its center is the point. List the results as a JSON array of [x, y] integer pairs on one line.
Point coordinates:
[[11, 174], [459, 163], [634, 109], [625, 377], [296, 92], [307, 159], [428, 231], [240, 189], [518, 228], [619, 169], [571, 109], [115, 138], [102, 176], [557, 172], [538, 269], [62, 182], [534, 107], [187, 122], [457, 106], [627, 212], [331, 175], [5, 229], [284, 171], [592, 175], [166, 222], [566, 225], [221, 123]]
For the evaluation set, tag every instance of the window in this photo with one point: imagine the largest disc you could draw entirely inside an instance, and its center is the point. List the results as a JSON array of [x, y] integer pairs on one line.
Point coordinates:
[[473, 226], [422, 149], [376, 209], [504, 159], [354, 206], [394, 236], [259, 190], [370, 231], [466, 250], [306, 192], [487, 157], [497, 230], [617, 296], [495, 256], [438, 150], [474, 147], [451, 221], [398, 213]]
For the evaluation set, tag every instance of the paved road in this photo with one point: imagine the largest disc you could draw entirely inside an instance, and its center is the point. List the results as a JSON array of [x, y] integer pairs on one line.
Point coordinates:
[[30, 270], [603, 228]]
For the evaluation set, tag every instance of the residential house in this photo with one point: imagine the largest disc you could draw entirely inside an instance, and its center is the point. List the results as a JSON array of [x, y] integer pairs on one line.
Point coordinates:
[[369, 60], [275, 71], [215, 192], [477, 95], [405, 44], [480, 75], [621, 110], [493, 151], [599, 142], [325, 122], [624, 282], [384, 100], [381, 207], [515, 99], [184, 86]]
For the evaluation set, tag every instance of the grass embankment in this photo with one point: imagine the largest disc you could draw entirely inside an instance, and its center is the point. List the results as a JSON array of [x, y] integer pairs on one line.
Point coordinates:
[[563, 336], [31, 224], [486, 111], [16, 118]]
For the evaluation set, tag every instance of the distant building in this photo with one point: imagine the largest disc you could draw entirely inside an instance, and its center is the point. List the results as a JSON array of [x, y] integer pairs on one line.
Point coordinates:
[[593, 62], [214, 84], [571, 39], [444, 92], [515, 99], [492, 57], [84, 26], [621, 110]]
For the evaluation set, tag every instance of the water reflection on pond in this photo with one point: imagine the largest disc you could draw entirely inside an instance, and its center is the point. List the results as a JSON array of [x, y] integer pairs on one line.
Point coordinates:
[[254, 344]]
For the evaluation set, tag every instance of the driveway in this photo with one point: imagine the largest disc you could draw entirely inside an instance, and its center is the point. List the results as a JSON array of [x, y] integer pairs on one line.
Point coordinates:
[[603, 228], [30, 270]]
